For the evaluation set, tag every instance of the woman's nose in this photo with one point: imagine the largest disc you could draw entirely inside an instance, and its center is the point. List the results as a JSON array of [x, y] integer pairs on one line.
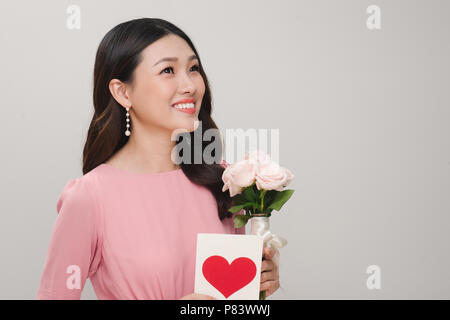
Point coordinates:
[[187, 84]]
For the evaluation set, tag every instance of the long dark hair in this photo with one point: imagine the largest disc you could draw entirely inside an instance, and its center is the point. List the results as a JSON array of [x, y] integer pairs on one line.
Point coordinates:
[[118, 55]]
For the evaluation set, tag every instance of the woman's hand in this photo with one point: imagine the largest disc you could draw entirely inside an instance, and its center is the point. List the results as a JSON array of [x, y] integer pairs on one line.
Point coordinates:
[[197, 296], [269, 272]]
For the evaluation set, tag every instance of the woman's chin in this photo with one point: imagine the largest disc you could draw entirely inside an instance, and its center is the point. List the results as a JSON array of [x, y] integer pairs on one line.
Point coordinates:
[[189, 125]]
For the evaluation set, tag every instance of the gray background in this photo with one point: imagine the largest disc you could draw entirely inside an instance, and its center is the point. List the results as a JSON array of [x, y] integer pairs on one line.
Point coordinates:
[[363, 118]]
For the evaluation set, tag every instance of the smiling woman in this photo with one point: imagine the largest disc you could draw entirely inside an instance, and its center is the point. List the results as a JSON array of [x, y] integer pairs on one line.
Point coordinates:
[[151, 66], [131, 221], [157, 86]]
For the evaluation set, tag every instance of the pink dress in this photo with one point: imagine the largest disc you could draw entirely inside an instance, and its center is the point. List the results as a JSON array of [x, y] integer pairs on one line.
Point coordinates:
[[133, 234]]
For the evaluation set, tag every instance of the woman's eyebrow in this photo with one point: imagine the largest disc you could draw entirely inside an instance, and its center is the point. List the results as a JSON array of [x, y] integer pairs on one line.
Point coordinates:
[[175, 59]]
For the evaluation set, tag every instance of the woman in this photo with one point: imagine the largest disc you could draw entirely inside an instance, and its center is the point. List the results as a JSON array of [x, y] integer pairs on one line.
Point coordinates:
[[130, 222]]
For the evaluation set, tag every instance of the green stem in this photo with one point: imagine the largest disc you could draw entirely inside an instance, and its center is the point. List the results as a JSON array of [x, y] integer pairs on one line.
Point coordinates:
[[262, 199], [262, 294]]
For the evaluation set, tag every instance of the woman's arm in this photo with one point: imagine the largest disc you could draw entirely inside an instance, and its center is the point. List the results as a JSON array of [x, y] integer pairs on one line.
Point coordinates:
[[73, 253]]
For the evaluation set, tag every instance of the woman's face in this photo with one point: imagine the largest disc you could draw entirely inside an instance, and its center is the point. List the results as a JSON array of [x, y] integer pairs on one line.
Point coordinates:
[[166, 75]]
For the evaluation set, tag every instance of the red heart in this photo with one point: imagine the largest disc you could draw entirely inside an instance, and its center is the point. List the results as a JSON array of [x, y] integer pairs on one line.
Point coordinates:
[[228, 278]]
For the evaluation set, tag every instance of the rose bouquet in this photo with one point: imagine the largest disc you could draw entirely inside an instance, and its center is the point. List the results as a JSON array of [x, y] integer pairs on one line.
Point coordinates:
[[256, 186]]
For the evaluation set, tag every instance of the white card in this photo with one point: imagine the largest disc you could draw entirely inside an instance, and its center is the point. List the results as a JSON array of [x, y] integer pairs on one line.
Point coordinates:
[[228, 266]]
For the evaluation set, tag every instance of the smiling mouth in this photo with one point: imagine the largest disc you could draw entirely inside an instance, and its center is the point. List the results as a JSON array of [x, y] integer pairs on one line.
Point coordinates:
[[185, 107]]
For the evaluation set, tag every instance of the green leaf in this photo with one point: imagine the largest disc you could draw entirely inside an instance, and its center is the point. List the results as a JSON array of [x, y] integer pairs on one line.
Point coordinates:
[[234, 209], [280, 199], [257, 191], [269, 197], [240, 220], [239, 199], [246, 205], [250, 194]]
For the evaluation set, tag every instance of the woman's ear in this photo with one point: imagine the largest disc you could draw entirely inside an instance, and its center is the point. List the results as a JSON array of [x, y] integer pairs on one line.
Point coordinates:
[[118, 90]]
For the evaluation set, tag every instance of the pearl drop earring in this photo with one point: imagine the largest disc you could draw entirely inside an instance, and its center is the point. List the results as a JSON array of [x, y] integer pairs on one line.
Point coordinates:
[[127, 133]]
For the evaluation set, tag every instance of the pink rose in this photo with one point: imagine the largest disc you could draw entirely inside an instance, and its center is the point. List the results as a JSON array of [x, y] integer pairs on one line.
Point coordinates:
[[238, 176], [271, 176], [257, 167]]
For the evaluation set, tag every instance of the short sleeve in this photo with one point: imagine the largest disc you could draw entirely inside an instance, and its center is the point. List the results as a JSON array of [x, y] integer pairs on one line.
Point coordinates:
[[240, 230], [74, 251]]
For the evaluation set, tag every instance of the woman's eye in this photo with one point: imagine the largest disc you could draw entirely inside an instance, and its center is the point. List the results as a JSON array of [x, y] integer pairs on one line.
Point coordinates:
[[167, 69], [197, 68]]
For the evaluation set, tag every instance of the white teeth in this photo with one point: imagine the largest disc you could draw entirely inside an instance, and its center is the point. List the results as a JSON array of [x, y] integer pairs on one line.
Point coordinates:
[[184, 105]]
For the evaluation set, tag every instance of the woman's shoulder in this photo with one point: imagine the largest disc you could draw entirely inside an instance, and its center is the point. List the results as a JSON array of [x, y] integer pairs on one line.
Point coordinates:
[[81, 190]]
